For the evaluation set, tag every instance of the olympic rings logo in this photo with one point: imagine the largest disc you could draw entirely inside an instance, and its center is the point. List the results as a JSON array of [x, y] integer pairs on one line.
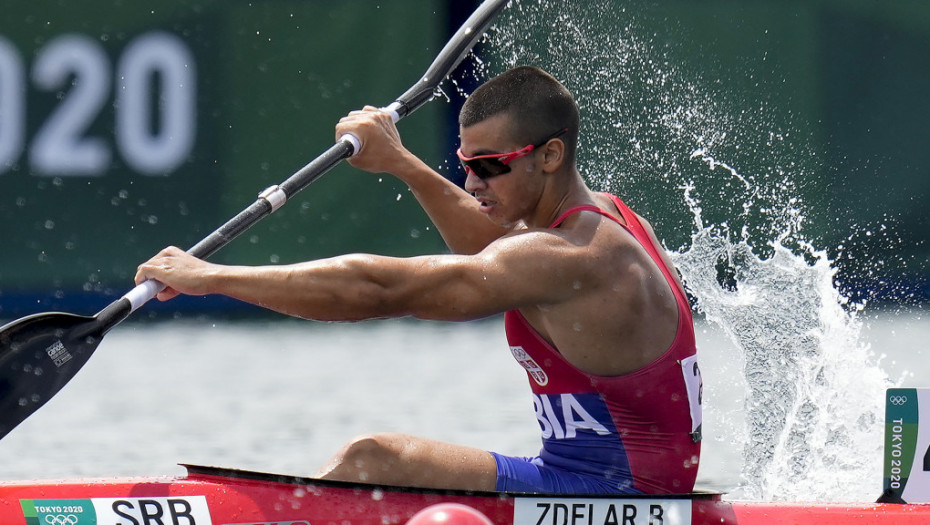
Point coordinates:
[[61, 519], [897, 400]]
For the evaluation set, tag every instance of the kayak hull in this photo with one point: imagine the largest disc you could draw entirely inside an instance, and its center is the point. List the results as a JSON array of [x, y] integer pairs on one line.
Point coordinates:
[[210, 495]]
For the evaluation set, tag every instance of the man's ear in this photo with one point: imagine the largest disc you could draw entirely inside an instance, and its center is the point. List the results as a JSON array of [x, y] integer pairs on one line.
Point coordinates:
[[553, 155]]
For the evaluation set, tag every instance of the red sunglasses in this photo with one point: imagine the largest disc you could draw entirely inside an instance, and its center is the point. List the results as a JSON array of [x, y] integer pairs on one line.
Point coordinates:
[[494, 164]]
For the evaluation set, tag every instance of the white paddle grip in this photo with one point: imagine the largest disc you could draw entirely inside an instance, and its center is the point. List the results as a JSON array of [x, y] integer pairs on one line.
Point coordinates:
[[143, 293], [391, 110], [353, 141]]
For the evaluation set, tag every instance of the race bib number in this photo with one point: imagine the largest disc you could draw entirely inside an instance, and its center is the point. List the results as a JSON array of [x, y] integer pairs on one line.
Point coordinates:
[[695, 388]]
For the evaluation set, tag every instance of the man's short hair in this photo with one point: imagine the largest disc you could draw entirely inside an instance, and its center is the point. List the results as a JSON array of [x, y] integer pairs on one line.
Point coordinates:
[[538, 104]]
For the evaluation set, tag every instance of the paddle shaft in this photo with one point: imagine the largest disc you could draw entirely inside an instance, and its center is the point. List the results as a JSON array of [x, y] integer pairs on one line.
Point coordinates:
[[274, 197]]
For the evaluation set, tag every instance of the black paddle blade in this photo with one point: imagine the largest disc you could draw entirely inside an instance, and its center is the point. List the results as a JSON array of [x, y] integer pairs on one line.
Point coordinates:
[[39, 354]]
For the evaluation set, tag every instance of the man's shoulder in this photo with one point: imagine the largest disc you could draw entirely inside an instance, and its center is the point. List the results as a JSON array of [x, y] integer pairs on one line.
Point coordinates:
[[592, 247]]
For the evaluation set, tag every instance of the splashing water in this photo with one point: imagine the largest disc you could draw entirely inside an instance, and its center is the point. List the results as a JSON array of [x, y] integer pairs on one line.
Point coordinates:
[[672, 147], [813, 411]]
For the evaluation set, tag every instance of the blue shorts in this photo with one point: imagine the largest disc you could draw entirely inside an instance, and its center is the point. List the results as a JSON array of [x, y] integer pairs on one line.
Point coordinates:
[[516, 474]]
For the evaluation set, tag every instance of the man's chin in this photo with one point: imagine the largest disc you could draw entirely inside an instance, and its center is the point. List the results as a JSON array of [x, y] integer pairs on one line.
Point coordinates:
[[502, 222], [491, 211]]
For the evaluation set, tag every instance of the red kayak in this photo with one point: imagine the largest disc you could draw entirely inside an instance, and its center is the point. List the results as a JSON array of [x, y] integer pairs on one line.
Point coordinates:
[[210, 495]]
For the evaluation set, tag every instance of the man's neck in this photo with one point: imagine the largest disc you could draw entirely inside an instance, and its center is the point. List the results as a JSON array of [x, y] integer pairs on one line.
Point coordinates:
[[565, 192]]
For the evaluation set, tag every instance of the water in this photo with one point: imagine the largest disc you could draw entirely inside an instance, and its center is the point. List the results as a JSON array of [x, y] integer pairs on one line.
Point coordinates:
[[275, 397], [283, 396], [814, 394]]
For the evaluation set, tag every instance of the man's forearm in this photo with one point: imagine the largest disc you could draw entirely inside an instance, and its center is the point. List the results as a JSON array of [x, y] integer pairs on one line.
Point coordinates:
[[454, 212], [337, 289]]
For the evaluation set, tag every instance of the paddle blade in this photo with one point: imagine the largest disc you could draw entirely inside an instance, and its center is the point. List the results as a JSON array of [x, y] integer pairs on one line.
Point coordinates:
[[39, 354]]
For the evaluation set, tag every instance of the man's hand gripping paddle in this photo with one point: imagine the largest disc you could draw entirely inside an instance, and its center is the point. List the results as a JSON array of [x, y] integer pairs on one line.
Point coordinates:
[[40, 353]]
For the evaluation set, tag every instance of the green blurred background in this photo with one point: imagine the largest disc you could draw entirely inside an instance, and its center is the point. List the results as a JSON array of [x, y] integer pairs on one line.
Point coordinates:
[[267, 80]]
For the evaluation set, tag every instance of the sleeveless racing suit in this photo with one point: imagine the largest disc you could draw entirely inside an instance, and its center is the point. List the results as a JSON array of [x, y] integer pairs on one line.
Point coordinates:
[[637, 432]]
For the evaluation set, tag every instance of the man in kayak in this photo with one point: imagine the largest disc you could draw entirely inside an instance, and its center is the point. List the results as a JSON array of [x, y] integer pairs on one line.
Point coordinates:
[[593, 308]]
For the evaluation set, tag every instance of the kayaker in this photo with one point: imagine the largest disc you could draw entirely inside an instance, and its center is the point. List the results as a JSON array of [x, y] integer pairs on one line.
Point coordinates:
[[594, 310]]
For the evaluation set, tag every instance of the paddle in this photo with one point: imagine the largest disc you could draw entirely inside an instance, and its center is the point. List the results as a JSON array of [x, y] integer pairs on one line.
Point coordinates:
[[40, 353]]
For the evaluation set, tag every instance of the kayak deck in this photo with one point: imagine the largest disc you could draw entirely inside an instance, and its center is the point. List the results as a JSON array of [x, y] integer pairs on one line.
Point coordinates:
[[209, 495]]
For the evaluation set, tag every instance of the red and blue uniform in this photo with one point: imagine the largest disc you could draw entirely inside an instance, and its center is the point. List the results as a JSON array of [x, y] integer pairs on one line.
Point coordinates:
[[633, 433]]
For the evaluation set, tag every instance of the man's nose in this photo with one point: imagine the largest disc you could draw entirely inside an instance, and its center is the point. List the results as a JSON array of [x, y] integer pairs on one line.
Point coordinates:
[[472, 181]]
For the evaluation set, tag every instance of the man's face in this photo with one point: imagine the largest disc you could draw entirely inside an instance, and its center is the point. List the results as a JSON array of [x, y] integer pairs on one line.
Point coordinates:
[[504, 198]]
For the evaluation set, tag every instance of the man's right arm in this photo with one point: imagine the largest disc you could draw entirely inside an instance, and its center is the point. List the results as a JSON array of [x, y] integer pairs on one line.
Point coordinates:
[[454, 212]]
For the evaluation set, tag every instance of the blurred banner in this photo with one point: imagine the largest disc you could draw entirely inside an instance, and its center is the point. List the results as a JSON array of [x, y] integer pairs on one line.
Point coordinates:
[[126, 127]]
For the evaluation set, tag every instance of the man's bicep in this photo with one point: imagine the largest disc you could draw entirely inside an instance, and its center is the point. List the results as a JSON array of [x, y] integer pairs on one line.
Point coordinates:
[[515, 272], [508, 274], [448, 288]]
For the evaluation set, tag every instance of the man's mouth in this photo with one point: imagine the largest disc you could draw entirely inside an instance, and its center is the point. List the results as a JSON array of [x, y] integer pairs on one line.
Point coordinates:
[[484, 203]]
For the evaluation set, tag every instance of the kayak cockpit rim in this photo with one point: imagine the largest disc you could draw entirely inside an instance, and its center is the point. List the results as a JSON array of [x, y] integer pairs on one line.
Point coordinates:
[[199, 471]]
